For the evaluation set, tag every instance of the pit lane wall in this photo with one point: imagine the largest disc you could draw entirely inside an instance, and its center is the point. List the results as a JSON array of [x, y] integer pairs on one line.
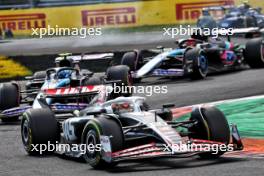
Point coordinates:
[[116, 15]]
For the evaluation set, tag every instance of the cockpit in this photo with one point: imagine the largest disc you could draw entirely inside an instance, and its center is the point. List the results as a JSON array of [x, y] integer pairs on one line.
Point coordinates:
[[126, 104]]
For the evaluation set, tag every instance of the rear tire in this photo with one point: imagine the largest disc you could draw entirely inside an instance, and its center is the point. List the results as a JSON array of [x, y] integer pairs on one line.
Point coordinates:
[[212, 125], [92, 81], [195, 60], [10, 119], [39, 75], [39, 126], [254, 53], [9, 98], [91, 134], [122, 73], [130, 59], [134, 61]]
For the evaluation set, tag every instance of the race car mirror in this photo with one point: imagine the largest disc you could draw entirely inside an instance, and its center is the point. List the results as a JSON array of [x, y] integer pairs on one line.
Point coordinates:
[[97, 112], [160, 47]]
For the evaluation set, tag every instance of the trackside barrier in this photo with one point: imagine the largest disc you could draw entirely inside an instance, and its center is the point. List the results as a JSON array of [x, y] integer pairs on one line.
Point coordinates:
[[116, 15]]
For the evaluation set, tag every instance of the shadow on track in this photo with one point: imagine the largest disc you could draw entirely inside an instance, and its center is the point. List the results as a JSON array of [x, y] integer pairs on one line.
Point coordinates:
[[185, 79], [16, 123], [165, 164]]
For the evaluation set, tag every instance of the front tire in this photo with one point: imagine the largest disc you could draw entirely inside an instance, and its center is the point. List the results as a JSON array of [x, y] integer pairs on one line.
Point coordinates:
[[39, 126], [91, 135], [211, 125], [254, 53]]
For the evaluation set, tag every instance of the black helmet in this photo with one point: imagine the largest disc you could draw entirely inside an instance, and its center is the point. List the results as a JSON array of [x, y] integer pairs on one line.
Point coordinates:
[[199, 36], [65, 63]]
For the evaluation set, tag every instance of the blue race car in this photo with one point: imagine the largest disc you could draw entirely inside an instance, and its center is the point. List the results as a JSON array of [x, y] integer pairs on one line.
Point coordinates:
[[195, 57], [242, 16]]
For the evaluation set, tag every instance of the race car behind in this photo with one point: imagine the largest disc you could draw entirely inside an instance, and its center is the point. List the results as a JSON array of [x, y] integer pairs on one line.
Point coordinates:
[[195, 57], [14, 101], [66, 60], [243, 16]]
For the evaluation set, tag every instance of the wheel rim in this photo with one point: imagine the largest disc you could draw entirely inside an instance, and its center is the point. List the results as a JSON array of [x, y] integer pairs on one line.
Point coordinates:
[[262, 52], [25, 131], [91, 140], [203, 64]]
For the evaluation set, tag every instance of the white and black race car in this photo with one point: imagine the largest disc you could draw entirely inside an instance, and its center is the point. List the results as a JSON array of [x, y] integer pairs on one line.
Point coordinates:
[[125, 129]]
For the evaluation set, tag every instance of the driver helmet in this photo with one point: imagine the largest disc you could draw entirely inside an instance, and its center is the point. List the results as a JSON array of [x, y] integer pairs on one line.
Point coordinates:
[[199, 36], [65, 63], [64, 74], [205, 12], [122, 107]]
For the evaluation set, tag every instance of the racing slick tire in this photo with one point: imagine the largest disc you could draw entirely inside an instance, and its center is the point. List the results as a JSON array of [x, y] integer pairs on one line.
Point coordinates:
[[39, 75], [195, 59], [39, 127], [92, 81], [120, 73], [93, 130], [254, 53], [9, 98], [211, 125], [134, 61]]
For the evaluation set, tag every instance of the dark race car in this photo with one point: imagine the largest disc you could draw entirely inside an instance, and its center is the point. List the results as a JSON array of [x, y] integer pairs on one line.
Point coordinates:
[[125, 129], [14, 101], [66, 60], [242, 16]]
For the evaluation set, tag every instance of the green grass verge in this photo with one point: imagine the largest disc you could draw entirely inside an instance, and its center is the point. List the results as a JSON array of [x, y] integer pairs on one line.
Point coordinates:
[[248, 115]]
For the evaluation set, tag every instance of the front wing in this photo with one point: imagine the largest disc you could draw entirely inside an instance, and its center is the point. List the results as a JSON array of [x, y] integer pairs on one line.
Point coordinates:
[[157, 150]]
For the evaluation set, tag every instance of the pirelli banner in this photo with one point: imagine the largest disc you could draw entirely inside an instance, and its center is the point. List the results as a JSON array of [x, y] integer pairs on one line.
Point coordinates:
[[117, 15]]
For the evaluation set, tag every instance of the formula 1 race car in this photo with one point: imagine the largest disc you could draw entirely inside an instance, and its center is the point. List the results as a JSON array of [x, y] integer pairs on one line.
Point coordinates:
[[13, 101], [242, 16], [195, 57], [65, 60], [125, 129]]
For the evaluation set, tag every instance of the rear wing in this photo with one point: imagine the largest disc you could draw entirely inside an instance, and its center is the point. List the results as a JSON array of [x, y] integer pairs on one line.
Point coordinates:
[[241, 32], [72, 92], [215, 8], [86, 57], [247, 32]]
